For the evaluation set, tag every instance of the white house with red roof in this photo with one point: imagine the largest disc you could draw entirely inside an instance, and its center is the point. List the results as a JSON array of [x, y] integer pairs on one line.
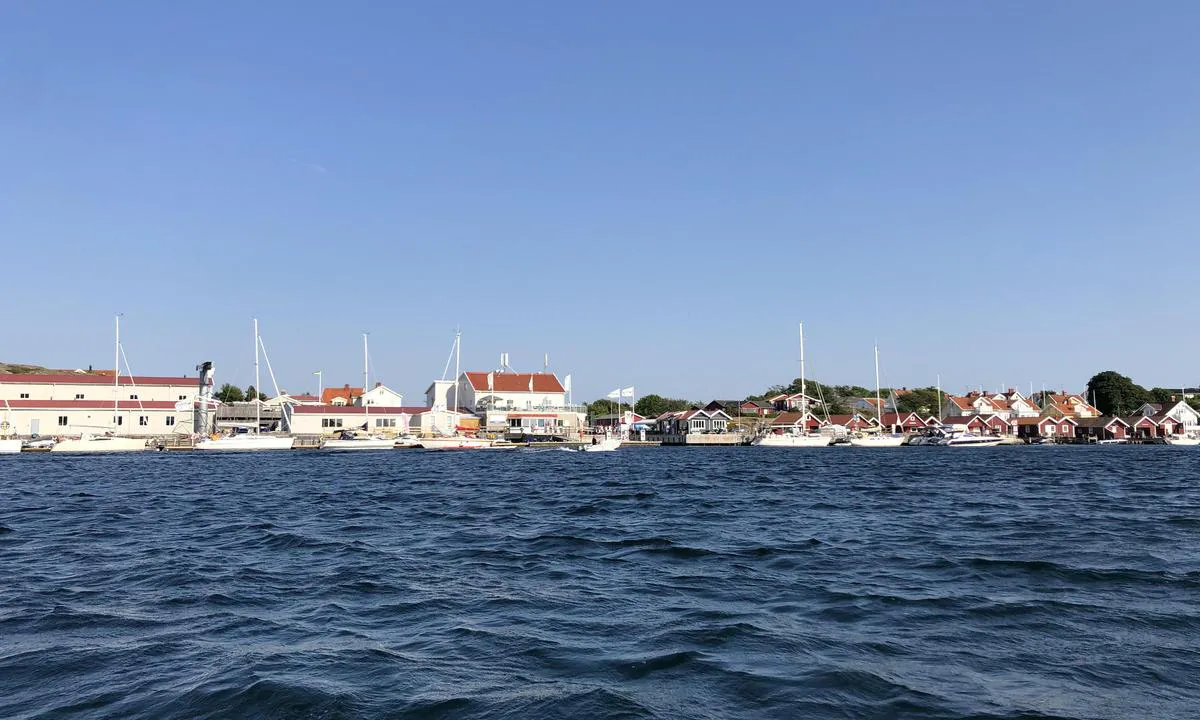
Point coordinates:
[[1177, 410], [976, 403], [518, 405], [1019, 405]]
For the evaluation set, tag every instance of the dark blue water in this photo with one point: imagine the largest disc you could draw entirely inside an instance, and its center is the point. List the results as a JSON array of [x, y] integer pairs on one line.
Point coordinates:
[[647, 583]]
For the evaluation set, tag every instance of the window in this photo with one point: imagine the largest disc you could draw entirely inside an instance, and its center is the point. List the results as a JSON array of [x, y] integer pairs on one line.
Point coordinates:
[[120, 420], [78, 396], [331, 422], [62, 420], [385, 422], [170, 420], [24, 396], [132, 397], [143, 420], [183, 397]]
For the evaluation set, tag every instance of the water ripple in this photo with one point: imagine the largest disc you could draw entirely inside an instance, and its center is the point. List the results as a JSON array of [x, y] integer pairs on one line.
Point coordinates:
[[649, 583]]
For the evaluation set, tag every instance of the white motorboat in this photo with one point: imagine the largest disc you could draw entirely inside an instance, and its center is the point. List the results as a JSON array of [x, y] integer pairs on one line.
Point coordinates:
[[349, 441], [243, 442], [608, 444], [1186, 440], [878, 440], [405, 442], [792, 440], [10, 446], [965, 438], [99, 444]]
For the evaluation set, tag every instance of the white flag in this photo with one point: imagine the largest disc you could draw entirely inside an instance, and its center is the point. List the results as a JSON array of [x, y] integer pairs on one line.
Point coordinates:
[[567, 383], [627, 392], [614, 395]]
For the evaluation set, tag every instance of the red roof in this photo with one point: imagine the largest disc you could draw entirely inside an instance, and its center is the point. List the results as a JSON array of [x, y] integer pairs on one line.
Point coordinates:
[[515, 382], [346, 392], [355, 410], [90, 404], [93, 379]]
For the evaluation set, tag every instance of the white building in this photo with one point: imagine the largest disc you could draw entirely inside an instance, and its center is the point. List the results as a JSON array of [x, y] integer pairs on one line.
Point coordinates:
[[381, 396], [331, 419], [71, 404], [520, 405]]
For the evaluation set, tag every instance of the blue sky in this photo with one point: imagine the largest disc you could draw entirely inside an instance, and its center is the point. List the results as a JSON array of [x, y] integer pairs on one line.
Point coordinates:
[[654, 193]]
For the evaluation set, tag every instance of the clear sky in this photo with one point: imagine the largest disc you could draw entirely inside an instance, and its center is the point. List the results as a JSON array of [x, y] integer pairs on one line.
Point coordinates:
[[655, 193]]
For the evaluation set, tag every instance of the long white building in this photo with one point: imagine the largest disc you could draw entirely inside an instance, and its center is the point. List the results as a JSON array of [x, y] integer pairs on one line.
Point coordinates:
[[71, 404]]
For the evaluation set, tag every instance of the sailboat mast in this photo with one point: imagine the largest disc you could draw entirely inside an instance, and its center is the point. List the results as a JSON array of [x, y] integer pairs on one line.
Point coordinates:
[[116, 370], [803, 386], [939, 380], [878, 400], [457, 355], [366, 409], [257, 408]]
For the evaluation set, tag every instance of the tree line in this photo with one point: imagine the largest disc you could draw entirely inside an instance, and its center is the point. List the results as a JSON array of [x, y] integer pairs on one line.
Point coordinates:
[[232, 393]]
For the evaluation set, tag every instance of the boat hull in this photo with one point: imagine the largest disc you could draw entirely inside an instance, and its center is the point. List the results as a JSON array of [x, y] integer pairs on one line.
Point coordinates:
[[363, 444], [100, 445], [605, 445], [1182, 440], [455, 443], [10, 446], [878, 441], [246, 443], [793, 441]]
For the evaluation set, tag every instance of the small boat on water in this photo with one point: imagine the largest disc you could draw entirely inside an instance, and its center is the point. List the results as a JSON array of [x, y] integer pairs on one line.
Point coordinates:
[[246, 442], [457, 442], [878, 440], [1186, 440], [352, 441], [608, 444], [961, 437], [10, 446]]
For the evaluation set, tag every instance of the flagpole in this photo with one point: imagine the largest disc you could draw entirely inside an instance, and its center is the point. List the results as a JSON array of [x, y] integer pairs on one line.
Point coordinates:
[[320, 384]]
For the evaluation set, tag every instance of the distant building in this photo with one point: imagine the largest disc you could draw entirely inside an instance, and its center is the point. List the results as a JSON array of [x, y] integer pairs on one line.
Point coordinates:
[[72, 404], [342, 396]]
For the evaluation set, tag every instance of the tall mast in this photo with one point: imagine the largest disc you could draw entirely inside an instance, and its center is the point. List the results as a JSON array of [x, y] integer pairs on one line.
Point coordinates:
[[366, 409], [878, 400], [257, 408], [803, 386], [116, 371], [457, 355]]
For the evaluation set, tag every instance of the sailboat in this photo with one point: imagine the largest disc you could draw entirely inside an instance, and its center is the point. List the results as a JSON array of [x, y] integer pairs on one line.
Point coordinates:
[[249, 441], [455, 440], [350, 441], [10, 444], [802, 438], [111, 442], [879, 439]]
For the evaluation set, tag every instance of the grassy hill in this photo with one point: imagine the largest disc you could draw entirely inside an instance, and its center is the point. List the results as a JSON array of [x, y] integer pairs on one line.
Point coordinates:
[[20, 369]]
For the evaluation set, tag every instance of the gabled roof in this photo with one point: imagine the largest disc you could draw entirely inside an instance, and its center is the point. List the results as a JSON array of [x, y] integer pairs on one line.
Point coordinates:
[[763, 404], [346, 392], [962, 403], [1099, 422], [515, 382], [789, 419]]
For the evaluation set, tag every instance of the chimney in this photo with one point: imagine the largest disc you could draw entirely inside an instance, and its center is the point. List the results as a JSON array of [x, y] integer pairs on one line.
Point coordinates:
[[378, 384], [1172, 398]]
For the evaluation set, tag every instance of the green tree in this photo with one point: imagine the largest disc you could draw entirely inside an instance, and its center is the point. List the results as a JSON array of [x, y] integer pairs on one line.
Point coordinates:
[[923, 401], [603, 406], [1116, 394], [251, 394], [654, 405], [1164, 395], [230, 394]]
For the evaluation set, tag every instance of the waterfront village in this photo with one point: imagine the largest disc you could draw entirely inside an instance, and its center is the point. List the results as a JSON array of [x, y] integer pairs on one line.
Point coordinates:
[[504, 407]]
